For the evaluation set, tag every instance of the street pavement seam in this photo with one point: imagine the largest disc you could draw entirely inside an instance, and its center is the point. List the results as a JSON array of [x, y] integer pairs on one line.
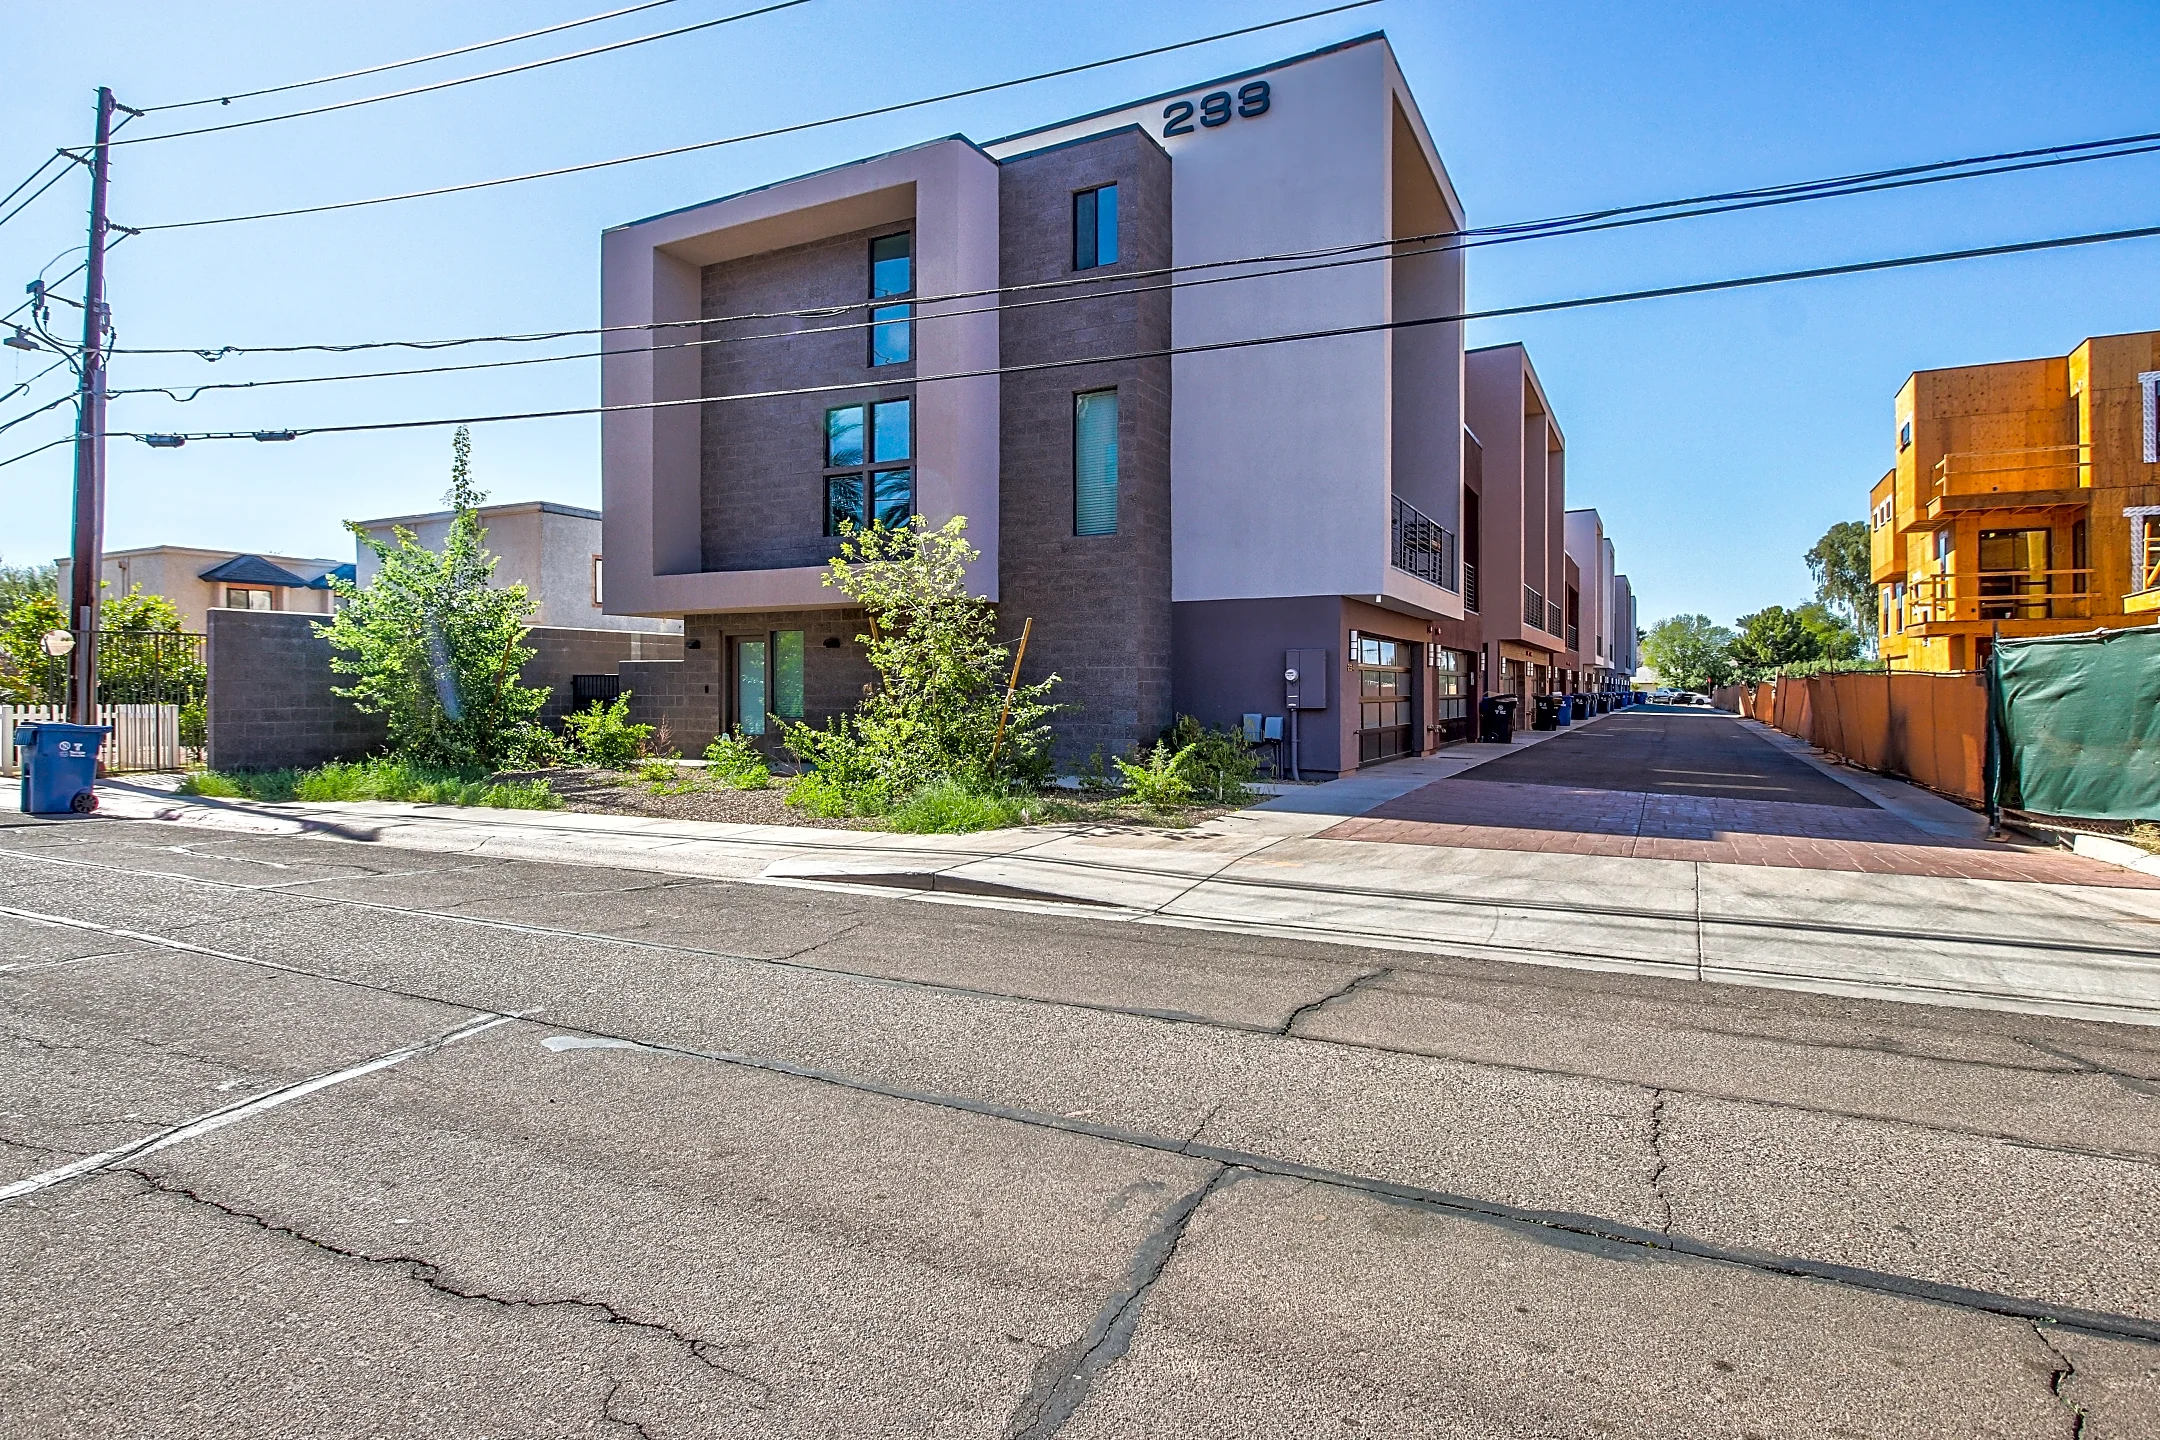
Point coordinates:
[[793, 962], [1536, 1223], [1064, 1377]]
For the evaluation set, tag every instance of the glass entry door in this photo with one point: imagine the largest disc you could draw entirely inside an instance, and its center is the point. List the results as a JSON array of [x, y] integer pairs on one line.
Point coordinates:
[[752, 687]]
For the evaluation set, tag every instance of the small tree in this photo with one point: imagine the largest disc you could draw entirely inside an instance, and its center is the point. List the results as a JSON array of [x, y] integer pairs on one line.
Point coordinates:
[[1689, 651], [432, 647], [942, 676], [1772, 638], [1844, 577]]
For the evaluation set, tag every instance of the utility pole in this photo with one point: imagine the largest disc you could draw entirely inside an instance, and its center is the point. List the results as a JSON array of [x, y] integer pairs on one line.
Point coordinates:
[[90, 438]]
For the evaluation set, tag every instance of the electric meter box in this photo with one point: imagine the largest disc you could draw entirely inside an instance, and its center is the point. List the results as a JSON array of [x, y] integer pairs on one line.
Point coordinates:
[[1309, 690]]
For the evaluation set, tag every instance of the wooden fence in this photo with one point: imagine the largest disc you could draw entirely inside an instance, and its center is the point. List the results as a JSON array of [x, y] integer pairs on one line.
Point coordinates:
[[1923, 726], [144, 737]]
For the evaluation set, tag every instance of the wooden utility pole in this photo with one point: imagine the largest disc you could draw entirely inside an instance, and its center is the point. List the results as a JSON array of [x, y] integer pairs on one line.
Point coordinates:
[[89, 553]]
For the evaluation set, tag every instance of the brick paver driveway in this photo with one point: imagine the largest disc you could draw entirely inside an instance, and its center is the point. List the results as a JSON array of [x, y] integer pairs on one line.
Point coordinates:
[[1694, 786]]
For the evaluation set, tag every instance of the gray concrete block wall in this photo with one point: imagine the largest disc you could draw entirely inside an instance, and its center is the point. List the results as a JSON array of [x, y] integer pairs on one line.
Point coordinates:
[[272, 701], [1101, 603], [694, 698], [763, 460]]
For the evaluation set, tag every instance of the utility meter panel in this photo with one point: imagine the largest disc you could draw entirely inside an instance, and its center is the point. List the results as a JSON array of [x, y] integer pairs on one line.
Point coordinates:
[[1309, 690]]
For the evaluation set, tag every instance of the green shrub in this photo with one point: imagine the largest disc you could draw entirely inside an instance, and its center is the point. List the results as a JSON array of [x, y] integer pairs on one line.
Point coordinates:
[[733, 760], [1158, 779], [816, 792], [380, 778], [950, 808], [602, 735], [194, 725], [1096, 777], [1222, 764], [844, 771]]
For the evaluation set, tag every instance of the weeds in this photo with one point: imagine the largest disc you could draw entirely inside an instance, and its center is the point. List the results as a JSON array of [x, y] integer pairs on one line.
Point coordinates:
[[1158, 779], [950, 808], [734, 761], [602, 735], [375, 779]]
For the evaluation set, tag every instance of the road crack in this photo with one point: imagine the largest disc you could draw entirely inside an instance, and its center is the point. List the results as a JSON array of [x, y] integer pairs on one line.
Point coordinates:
[[1658, 1162], [705, 1352], [1342, 992], [607, 1413], [1064, 1376], [2129, 1080], [2062, 1371]]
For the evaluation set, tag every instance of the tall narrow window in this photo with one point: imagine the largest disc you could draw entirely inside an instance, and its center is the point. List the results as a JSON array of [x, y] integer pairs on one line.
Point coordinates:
[[868, 477], [1095, 423], [892, 273], [787, 687], [1095, 228]]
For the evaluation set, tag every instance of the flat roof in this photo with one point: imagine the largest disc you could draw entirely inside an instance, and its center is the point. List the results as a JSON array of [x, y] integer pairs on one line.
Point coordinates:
[[512, 507]]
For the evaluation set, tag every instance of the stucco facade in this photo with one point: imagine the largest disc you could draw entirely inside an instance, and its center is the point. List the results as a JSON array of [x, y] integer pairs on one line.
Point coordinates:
[[553, 549], [188, 578], [1292, 495]]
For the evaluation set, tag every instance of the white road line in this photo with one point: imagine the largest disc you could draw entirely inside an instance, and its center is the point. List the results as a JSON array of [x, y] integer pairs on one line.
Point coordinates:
[[230, 1114]]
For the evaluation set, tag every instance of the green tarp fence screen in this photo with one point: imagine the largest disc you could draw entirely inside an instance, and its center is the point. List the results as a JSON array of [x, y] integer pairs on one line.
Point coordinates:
[[2077, 725]]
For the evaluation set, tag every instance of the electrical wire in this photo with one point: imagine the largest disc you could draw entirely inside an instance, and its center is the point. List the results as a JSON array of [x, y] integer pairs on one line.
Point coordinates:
[[79, 268], [793, 129], [63, 440], [66, 399], [1656, 212], [32, 198], [1702, 287], [26, 384], [403, 64], [777, 5], [56, 155]]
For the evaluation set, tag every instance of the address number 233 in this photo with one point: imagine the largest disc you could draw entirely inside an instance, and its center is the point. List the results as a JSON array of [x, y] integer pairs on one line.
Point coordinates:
[[1215, 109]]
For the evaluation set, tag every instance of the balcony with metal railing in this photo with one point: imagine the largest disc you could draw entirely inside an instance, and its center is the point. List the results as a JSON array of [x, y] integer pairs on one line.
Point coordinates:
[[1469, 588], [1533, 608], [1423, 547]]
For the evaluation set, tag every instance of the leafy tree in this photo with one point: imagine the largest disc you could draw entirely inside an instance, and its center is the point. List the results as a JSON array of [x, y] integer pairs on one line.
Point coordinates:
[[1843, 569], [1771, 639], [132, 668], [942, 673], [19, 583], [1690, 652], [432, 647], [1835, 637]]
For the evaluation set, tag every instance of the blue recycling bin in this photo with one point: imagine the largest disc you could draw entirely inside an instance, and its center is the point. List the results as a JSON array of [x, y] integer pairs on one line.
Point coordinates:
[[59, 766]]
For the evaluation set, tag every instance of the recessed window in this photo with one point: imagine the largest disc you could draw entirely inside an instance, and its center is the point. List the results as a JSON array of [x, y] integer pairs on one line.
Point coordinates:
[[892, 273], [597, 590], [248, 597], [1095, 462], [1095, 228], [1904, 436], [863, 484]]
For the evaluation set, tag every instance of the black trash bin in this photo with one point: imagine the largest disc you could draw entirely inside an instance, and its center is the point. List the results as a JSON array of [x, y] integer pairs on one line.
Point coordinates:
[[1496, 720], [1546, 713]]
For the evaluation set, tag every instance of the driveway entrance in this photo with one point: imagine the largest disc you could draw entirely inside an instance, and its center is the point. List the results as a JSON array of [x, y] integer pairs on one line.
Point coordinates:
[[1706, 786]]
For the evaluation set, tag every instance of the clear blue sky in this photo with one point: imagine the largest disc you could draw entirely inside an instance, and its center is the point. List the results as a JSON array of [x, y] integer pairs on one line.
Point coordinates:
[[1719, 435]]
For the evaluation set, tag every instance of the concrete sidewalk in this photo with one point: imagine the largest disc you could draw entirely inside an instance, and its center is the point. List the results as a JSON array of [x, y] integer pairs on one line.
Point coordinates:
[[2065, 949]]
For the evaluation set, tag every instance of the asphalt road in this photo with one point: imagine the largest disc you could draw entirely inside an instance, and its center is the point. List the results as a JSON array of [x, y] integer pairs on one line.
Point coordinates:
[[303, 1138], [1671, 752]]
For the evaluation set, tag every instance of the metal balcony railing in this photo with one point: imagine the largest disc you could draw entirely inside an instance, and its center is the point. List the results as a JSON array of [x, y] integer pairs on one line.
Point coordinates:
[[1533, 608], [1574, 639], [1469, 587], [1423, 547]]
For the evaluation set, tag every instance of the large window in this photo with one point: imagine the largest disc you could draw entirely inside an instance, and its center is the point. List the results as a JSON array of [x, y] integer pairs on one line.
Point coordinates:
[[1095, 228], [892, 273], [768, 679], [1095, 463], [862, 443], [2014, 574]]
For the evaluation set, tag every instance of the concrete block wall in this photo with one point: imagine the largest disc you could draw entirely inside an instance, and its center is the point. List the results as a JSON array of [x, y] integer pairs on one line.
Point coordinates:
[[272, 702], [1100, 603]]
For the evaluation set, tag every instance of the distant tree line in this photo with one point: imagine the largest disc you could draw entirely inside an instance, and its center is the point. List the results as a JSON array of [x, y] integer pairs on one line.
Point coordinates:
[[1833, 631]]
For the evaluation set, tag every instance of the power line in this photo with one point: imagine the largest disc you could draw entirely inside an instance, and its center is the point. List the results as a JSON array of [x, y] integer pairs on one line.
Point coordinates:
[[56, 155], [796, 128], [32, 198], [1211, 347], [33, 414], [403, 64], [468, 79], [1655, 212], [63, 440]]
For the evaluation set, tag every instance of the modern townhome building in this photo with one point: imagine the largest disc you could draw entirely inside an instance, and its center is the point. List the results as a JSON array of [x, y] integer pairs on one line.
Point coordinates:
[[1066, 336], [2025, 501], [553, 549], [1591, 617], [1627, 634], [197, 581], [1522, 504]]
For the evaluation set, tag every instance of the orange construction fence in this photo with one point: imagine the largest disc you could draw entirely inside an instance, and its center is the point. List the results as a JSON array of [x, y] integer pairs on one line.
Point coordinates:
[[1923, 726]]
